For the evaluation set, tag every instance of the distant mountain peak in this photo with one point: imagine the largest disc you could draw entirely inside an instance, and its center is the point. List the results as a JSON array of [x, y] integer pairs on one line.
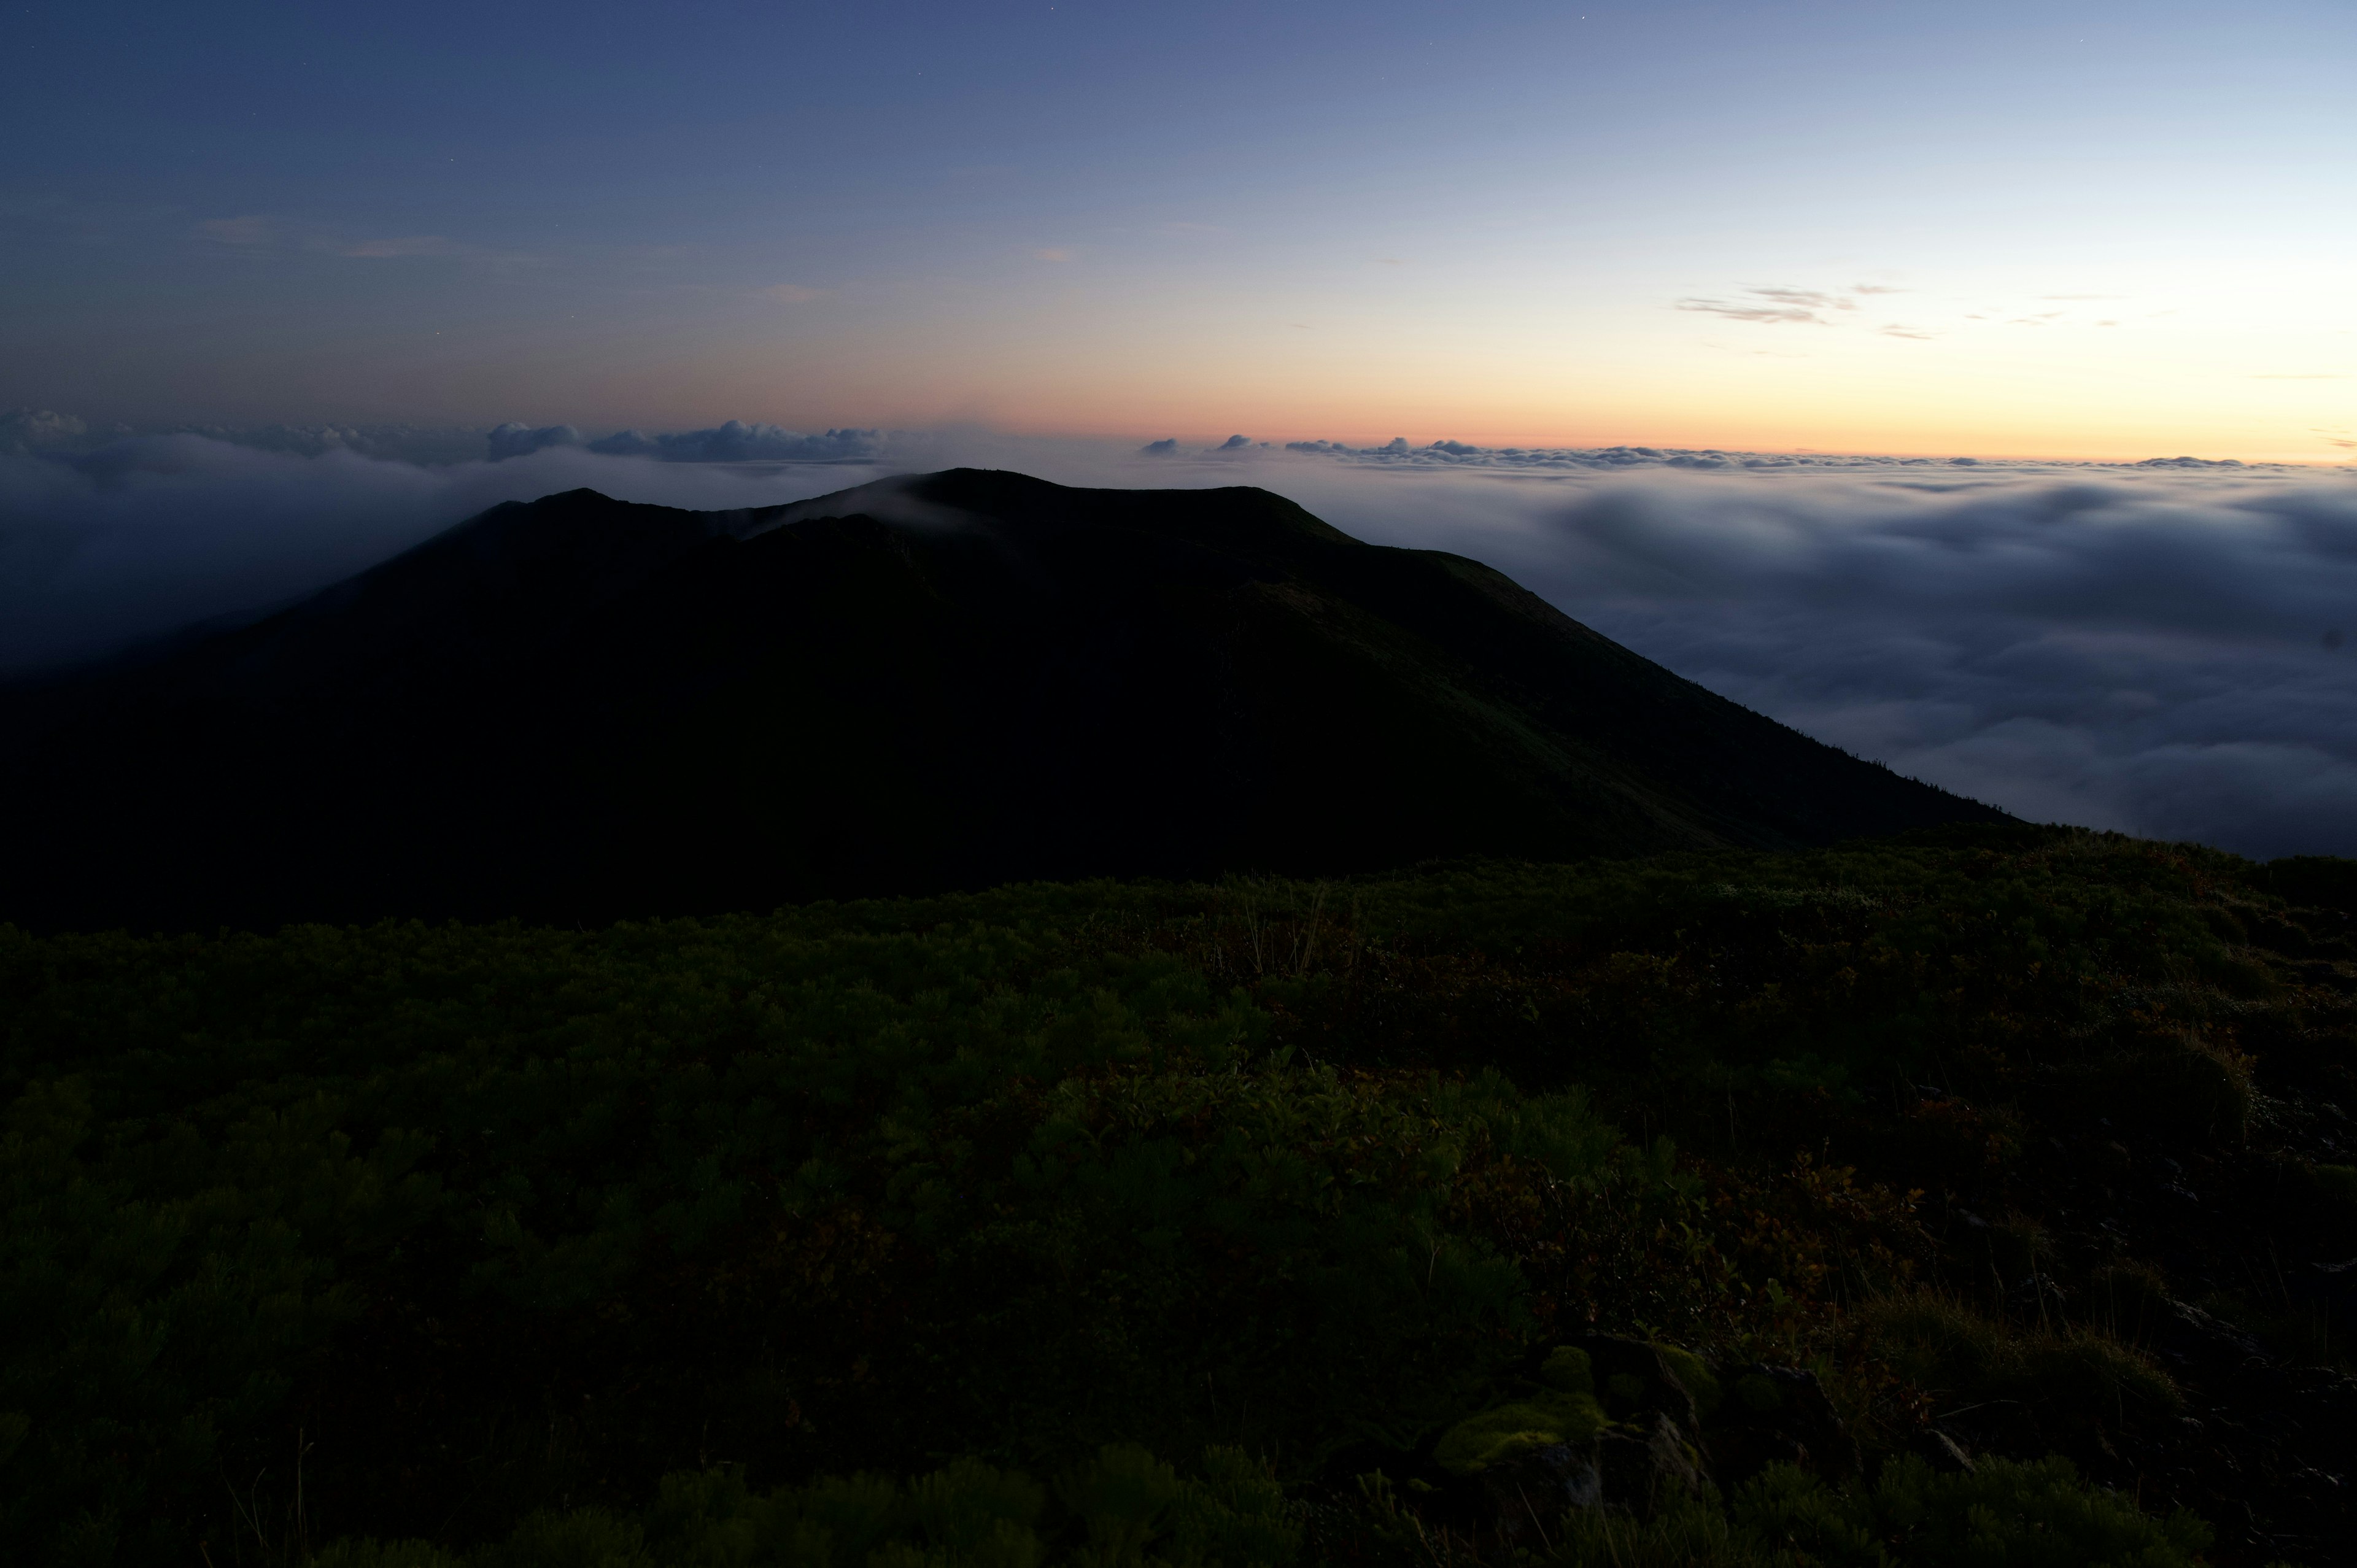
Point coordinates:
[[581, 707]]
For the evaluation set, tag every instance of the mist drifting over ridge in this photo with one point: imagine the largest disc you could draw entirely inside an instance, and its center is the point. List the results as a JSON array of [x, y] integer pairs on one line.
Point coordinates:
[[2161, 648]]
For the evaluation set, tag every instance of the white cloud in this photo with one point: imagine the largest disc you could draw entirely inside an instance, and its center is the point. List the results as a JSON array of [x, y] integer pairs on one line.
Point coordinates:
[[27, 430], [2148, 647], [737, 442], [518, 440]]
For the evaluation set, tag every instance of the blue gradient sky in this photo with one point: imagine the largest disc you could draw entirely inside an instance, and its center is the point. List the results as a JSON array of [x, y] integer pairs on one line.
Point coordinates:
[[2094, 229]]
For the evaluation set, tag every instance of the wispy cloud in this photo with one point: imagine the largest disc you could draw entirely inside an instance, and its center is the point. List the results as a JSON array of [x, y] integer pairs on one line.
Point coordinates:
[[409, 245], [1764, 306], [248, 232], [1052, 254], [1857, 304], [257, 234], [790, 293], [1786, 303]]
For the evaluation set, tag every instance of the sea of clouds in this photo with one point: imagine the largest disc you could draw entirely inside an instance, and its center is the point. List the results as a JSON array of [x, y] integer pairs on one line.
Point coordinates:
[[2160, 648]]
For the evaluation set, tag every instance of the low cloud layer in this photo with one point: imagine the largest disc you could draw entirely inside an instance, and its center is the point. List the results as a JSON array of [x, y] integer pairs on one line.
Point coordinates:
[[2165, 651], [2169, 649], [735, 442], [101, 549]]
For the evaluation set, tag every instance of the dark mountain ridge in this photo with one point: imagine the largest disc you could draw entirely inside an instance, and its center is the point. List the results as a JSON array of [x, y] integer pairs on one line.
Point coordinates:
[[580, 708]]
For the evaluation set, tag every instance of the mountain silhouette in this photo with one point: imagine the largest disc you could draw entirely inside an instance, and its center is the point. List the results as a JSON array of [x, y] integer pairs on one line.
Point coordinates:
[[580, 708]]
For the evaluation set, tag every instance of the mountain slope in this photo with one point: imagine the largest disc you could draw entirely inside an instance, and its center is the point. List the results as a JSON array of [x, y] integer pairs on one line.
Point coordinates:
[[581, 708]]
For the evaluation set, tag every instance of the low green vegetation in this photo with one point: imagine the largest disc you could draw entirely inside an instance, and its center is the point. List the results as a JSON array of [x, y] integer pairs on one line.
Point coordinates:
[[1252, 1224], [2036, 1515], [1119, 1505], [1562, 1410], [1127, 1508]]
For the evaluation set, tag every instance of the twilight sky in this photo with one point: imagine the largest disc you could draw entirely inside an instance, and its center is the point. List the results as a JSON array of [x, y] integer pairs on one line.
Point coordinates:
[[2093, 230]]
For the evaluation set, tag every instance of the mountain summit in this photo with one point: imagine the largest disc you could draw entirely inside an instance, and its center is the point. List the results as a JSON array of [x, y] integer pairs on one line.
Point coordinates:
[[582, 708]]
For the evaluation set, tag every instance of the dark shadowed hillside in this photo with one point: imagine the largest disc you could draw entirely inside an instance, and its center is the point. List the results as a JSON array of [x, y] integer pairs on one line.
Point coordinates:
[[581, 708]]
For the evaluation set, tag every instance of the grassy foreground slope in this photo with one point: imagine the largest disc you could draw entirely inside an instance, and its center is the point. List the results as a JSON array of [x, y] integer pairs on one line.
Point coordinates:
[[1122, 1222]]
